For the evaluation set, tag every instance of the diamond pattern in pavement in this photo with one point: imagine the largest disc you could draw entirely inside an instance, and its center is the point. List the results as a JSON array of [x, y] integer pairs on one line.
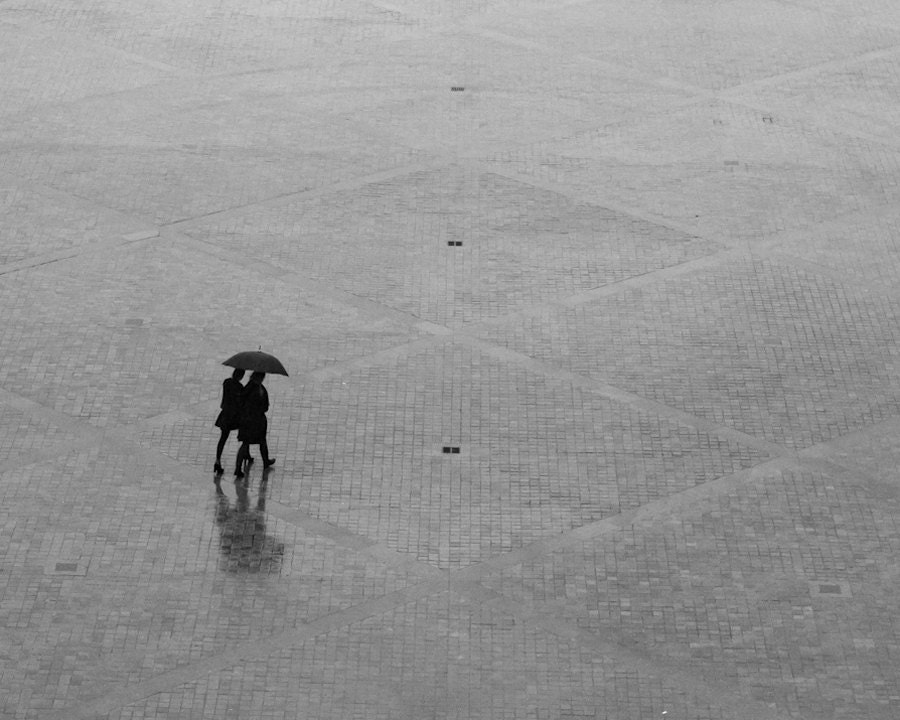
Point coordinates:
[[661, 338], [744, 359], [520, 245], [782, 584]]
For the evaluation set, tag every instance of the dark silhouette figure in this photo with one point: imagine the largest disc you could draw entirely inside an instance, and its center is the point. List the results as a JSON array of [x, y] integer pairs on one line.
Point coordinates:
[[229, 417], [253, 425]]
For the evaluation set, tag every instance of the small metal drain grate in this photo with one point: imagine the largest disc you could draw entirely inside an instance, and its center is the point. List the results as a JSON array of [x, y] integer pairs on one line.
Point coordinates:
[[451, 449], [454, 243], [457, 88], [66, 568], [829, 588]]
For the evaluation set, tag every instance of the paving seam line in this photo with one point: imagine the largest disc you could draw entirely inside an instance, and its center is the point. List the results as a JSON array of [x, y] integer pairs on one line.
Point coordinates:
[[658, 81], [651, 513], [848, 277], [612, 392], [810, 71], [712, 687], [778, 110], [265, 647], [698, 92], [100, 247], [318, 288], [248, 651], [286, 198], [826, 458], [782, 240], [462, 578], [657, 276], [497, 167], [361, 544]]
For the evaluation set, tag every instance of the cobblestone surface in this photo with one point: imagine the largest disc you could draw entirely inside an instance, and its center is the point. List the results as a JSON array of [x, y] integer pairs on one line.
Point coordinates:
[[758, 322], [434, 658], [785, 584], [39, 71], [132, 157], [100, 592], [721, 169], [857, 97], [589, 310], [40, 222], [707, 47], [536, 457], [141, 330], [23, 433], [519, 245]]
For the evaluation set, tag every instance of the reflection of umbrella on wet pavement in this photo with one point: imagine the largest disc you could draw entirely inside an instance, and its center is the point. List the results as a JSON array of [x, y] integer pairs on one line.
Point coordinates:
[[256, 361]]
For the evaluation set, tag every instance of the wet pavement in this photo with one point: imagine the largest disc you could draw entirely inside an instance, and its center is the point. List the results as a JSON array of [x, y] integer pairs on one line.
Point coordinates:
[[591, 315]]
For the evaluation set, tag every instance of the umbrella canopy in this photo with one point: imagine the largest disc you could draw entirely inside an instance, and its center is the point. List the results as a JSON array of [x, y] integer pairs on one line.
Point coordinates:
[[256, 361]]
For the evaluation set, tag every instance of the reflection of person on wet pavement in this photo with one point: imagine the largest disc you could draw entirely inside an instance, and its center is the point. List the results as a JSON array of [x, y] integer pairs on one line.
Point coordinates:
[[244, 542], [229, 417], [253, 424]]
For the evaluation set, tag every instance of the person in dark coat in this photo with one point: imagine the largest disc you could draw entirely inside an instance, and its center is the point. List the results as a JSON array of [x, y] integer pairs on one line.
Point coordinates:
[[252, 424], [229, 417]]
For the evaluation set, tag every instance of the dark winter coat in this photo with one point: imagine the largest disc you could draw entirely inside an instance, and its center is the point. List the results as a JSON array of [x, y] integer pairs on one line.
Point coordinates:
[[253, 423], [229, 417]]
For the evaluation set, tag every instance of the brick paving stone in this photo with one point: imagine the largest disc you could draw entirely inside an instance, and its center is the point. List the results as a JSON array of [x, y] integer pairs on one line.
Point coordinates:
[[856, 98], [775, 352], [180, 181], [109, 340], [537, 457], [39, 70], [22, 435], [107, 375], [730, 45], [880, 12], [726, 170], [166, 573], [506, 95], [520, 245], [745, 583], [872, 451], [442, 657], [39, 222], [861, 248], [214, 37], [159, 158]]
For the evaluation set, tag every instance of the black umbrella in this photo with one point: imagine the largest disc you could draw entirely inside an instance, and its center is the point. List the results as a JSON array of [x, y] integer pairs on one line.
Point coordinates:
[[256, 361]]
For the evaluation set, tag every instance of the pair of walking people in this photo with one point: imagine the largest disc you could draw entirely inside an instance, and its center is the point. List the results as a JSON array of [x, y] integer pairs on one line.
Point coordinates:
[[244, 409]]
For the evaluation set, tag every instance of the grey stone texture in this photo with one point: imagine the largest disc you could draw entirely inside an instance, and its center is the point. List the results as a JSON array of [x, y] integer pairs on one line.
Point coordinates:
[[637, 261]]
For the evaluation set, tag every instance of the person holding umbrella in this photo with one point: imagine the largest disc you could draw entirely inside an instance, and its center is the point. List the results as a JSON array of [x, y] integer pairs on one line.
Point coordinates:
[[253, 425], [230, 414]]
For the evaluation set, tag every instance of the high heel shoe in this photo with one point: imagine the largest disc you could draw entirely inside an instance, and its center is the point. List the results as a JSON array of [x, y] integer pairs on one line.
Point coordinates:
[[218, 469]]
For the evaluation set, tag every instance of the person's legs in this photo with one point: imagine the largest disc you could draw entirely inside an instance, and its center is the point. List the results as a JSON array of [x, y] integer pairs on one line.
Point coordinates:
[[243, 452], [264, 451], [219, 448]]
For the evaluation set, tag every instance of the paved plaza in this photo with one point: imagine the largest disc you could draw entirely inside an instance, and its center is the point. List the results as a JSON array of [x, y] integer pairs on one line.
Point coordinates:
[[592, 321]]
